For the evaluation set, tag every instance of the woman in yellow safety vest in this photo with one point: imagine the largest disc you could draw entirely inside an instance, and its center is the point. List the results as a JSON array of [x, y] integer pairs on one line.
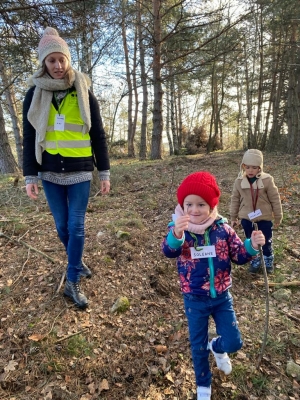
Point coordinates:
[[63, 138]]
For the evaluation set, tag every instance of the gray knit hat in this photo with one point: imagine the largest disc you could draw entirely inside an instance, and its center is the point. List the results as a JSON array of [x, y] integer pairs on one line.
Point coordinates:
[[51, 42], [254, 158]]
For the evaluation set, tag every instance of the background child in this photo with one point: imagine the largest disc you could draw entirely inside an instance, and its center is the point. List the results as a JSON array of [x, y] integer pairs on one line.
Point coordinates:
[[204, 245], [255, 198]]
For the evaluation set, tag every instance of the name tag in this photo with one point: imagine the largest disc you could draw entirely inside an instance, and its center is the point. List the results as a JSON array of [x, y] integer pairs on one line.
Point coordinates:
[[254, 214], [59, 123], [203, 252]]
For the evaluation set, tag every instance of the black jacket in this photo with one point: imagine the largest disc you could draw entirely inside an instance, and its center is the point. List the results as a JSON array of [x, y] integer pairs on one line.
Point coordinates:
[[57, 163]]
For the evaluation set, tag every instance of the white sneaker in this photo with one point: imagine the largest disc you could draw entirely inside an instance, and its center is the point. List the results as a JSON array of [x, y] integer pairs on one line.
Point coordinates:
[[203, 393], [222, 359]]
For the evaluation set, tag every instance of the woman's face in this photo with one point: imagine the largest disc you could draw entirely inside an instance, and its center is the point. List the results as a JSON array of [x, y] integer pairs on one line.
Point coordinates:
[[57, 65]]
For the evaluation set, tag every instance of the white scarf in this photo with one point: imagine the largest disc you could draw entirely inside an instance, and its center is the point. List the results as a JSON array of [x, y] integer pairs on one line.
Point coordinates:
[[198, 228], [39, 110]]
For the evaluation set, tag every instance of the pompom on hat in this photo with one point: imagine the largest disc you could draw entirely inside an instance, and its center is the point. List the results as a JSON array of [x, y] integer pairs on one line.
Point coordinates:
[[51, 42], [202, 184]]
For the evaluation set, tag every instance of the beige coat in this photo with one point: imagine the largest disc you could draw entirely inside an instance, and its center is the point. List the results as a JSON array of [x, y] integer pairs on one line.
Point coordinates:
[[268, 199]]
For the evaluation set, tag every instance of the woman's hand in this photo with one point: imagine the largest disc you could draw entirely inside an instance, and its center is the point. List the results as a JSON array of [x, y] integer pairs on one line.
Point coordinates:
[[32, 190], [104, 187], [257, 238]]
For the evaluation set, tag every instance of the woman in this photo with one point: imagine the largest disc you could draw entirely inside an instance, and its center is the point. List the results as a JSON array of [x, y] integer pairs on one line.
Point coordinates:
[[63, 137]]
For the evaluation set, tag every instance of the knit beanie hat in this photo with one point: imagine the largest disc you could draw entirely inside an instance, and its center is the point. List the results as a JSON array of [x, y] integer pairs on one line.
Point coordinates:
[[202, 184], [51, 42], [253, 158]]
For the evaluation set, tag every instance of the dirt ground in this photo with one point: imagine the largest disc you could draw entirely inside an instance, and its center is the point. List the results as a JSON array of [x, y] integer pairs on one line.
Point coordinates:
[[51, 350]]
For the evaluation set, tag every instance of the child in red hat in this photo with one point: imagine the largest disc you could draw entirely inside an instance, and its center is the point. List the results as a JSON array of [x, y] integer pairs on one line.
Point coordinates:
[[204, 246]]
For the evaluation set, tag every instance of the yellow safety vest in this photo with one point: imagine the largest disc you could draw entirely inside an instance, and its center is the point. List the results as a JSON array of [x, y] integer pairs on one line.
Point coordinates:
[[70, 142]]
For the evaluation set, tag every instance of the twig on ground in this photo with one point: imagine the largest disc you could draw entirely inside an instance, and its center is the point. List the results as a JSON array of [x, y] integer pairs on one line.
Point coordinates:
[[71, 335], [284, 283], [54, 322], [21, 273], [29, 247], [290, 315], [61, 282]]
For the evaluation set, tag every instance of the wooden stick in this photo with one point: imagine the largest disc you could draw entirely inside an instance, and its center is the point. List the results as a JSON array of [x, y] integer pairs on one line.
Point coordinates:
[[61, 282], [284, 283], [71, 335], [29, 247], [267, 303]]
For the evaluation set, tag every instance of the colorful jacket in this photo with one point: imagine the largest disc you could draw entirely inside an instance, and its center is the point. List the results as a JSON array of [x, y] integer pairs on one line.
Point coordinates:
[[268, 201], [207, 276]]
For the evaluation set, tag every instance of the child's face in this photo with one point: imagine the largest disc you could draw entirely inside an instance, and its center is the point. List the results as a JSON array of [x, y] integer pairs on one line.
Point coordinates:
[[251, 170], [196, 208]]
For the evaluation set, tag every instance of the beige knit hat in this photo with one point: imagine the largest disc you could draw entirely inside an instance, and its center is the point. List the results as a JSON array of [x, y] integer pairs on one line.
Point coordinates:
[[51, 42], [254, 158]]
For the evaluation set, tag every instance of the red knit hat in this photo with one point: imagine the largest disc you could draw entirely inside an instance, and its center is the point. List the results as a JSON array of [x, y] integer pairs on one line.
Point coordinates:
[[202, 184]]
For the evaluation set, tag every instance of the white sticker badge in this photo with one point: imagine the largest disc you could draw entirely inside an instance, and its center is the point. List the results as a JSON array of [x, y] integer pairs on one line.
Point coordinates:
[[203, 252], [254, 214], [59, 124]]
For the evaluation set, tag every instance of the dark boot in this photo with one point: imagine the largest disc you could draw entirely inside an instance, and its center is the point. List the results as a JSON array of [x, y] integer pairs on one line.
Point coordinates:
[[72, 290], [85, 271]]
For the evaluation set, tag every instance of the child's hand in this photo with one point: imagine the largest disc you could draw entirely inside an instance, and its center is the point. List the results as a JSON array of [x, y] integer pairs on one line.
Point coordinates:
[[257, 237], [181, 225]]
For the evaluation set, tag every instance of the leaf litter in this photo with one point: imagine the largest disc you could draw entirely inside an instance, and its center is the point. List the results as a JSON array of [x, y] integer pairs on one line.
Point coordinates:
[[50, 350]]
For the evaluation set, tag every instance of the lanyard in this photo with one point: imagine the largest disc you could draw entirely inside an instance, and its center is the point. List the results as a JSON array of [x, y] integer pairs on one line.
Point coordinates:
[[206, 240], [254, 200], [60, 100]]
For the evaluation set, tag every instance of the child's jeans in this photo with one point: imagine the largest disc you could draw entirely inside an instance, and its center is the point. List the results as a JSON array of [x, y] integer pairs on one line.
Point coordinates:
[[266, 228], [197, 310]]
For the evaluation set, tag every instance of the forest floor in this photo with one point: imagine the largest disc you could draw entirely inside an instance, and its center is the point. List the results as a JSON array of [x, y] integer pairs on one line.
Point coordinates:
[[51, 350]]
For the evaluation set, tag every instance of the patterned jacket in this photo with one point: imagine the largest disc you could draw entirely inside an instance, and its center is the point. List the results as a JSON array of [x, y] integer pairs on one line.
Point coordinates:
[[207, 276]]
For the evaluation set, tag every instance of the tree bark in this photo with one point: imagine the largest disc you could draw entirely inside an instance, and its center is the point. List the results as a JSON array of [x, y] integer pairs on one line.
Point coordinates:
[[8, 164], [130, 133], [11, 104], [157, 84], [143, 145]]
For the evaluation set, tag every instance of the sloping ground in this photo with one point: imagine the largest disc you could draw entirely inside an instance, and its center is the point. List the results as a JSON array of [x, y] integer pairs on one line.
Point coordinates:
[[50, 350]]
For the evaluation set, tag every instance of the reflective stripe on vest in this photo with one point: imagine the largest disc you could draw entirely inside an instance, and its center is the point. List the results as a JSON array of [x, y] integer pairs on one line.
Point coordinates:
[[71, 142]]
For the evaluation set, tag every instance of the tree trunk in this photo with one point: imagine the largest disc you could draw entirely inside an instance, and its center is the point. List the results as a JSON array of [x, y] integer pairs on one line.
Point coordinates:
[[143, 145], [8, 164], [157, 84], [130, 132], [11, 103], [171, 149], [293, 100], [249, 99], [180, 125], [257, 134], [173, 118]]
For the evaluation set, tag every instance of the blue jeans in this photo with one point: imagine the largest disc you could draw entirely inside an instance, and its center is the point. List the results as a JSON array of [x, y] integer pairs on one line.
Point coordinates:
[[198, 310], [68, 204], [266, 228]]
